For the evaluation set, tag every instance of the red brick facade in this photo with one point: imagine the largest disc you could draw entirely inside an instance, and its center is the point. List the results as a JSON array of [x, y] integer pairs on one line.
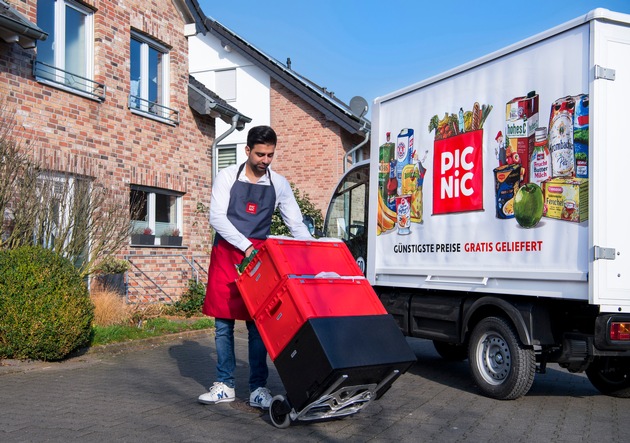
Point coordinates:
[[106, 141]]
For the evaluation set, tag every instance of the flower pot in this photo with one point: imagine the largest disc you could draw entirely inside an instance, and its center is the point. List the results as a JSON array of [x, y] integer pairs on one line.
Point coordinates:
[[112, 282], [170, 240], [142, 239]]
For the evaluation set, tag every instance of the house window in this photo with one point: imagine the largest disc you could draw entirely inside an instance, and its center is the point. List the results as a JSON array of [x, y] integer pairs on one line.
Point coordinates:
[[64, 223], [159, 210], [66, 57], [225, 84], [149, 76], [226, 156]]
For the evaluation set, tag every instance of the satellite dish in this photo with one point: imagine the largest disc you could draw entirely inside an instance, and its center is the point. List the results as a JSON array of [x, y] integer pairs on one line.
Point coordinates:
[[358, 106]]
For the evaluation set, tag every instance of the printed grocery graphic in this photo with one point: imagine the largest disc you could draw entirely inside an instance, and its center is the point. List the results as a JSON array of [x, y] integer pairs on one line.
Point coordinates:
[[542, 171], [400, 181], [458, 160]]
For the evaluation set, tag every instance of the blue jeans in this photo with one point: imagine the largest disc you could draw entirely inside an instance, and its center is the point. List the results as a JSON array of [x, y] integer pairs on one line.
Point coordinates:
[[226, 359]]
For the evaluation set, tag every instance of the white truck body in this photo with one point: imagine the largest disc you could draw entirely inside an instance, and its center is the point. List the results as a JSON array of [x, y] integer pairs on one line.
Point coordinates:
[[473, 250], [555, 64]]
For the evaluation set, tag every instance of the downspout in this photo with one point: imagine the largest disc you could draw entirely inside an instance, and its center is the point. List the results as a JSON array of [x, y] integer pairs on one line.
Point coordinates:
[[219, 139], [357, 147]]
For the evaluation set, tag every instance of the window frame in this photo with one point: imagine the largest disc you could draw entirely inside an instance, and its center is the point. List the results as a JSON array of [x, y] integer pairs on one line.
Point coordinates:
[[143, 107], [225, 89], [224, 148], [150, 221], [62, 192], [56, 73]]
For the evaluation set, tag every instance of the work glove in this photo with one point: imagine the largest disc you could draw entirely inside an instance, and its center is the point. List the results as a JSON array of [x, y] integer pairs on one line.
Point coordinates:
[[247, 260]]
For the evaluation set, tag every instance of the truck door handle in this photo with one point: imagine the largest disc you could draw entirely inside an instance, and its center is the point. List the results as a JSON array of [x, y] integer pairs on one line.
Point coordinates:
[[475, 281]]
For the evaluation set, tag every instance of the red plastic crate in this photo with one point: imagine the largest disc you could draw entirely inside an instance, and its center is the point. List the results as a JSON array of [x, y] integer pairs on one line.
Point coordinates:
[[279, 258], [298, 299]]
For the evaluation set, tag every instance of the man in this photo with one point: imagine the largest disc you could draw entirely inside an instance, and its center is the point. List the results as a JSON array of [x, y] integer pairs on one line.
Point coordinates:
[[244, 198]]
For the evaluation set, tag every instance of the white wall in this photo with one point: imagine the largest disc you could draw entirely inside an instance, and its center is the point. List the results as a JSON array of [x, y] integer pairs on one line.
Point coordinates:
[[207, 56]]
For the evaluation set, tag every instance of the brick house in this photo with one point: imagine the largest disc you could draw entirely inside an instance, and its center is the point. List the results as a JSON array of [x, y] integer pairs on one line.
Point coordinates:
[[315, 130], [105, 97], [103, 92]]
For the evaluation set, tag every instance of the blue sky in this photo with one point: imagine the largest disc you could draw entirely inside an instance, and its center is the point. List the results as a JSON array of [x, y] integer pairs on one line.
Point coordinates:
[[373, 47]]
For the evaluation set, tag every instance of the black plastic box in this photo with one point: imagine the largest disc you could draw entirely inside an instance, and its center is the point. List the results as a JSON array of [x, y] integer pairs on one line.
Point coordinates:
[[367, 349]]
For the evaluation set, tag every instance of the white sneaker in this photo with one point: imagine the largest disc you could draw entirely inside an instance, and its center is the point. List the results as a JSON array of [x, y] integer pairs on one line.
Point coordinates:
[[219, 393], [260, 398]]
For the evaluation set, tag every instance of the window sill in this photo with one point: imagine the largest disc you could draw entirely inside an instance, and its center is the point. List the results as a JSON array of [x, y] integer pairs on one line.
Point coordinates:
[[158, 246], [152, 116], [79, 92]]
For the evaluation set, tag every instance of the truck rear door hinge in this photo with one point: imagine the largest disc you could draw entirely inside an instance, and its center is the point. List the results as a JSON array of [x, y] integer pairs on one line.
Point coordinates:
[[604, 253], [605, 73]]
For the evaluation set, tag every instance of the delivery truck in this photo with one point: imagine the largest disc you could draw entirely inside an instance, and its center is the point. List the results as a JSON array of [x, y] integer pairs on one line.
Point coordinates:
[[492, 216]]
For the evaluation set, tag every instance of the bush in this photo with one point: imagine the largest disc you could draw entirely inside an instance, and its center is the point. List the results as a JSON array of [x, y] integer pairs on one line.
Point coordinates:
[[191, 301], [109, 307], [306, 206], [45, 307], [112, 265]]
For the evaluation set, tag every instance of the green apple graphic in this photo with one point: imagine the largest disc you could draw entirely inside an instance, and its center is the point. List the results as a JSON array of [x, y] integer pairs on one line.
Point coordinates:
[[528, 205]]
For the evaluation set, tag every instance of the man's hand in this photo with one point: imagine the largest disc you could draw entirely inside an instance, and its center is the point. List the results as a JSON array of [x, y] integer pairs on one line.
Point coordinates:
[[250, 253]]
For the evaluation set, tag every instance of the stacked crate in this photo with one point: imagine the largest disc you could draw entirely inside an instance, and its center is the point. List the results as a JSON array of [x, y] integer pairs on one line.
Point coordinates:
[[320, 318]]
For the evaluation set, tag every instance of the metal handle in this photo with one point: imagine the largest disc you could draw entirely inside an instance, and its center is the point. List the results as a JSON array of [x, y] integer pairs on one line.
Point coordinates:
[[438, 279]]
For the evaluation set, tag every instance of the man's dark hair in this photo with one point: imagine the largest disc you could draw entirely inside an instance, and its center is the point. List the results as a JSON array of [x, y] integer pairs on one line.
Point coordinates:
[[261, 135]]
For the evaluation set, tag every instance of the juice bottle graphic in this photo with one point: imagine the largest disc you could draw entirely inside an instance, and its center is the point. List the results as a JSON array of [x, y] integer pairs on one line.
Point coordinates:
[[580, 136], [540, 166], [561, 137], [404, 154], [392, 187], [385, 157]]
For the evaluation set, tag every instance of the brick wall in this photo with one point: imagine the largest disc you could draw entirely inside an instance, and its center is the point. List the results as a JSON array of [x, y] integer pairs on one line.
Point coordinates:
[[106, 141], [311, 149]]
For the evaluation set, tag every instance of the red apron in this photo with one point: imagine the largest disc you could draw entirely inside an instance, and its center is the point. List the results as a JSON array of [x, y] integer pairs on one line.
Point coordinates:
[[223, 300], [250, 209]]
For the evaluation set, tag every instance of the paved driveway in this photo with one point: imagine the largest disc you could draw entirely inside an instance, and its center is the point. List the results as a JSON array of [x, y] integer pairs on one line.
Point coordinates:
[[149, 392]]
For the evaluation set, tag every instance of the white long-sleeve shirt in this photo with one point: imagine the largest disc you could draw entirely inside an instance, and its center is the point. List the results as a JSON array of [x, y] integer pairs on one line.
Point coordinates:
[[285, 200]]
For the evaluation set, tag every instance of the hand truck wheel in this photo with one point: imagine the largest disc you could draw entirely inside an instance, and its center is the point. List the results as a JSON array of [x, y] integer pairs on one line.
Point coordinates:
[[279, 412]]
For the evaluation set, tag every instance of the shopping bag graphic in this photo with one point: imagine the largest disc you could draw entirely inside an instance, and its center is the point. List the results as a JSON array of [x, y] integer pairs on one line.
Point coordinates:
[[458, 176]]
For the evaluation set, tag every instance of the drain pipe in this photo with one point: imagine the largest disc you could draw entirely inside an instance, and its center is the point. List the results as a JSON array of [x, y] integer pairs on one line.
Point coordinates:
[[357, 147], [219, 139]]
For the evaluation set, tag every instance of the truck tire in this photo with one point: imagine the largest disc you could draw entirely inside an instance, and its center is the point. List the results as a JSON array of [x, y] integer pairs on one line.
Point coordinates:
[[501, 365], [450, 351], [610, 375]]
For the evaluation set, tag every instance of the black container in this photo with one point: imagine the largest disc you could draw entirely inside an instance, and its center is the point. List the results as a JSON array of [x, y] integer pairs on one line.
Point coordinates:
[[367, 349]]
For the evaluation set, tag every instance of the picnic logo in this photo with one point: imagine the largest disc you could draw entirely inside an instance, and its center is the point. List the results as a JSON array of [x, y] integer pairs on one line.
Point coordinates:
[[251, 208]]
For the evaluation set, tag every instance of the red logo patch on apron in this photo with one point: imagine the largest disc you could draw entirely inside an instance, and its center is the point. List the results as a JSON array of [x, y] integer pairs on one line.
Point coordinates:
[[251, 208]]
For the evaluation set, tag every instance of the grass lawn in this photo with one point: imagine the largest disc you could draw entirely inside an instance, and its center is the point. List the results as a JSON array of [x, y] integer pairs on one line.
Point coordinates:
[[153, 327]]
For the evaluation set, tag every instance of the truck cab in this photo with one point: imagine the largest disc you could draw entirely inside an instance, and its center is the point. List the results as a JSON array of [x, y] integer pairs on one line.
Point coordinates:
[[347, 215]]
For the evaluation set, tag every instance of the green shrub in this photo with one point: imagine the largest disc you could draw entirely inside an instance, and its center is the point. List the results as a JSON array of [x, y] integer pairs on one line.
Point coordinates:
[[306, 206], [45, 307], [191, 301], [112, 265]]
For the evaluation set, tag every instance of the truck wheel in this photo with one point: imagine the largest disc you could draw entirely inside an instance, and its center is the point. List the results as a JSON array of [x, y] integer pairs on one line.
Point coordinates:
[[450, 351], [502, 367], [610, 375]]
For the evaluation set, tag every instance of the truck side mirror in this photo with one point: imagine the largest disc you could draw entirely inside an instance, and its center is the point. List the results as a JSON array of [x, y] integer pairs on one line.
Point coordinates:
[[310, 225]]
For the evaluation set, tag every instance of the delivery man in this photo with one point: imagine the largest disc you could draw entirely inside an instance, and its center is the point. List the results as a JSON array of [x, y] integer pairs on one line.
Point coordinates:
[[243, 200]]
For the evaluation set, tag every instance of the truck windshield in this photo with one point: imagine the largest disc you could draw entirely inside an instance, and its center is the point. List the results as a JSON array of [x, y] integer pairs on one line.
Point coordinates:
[[347, 216]]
